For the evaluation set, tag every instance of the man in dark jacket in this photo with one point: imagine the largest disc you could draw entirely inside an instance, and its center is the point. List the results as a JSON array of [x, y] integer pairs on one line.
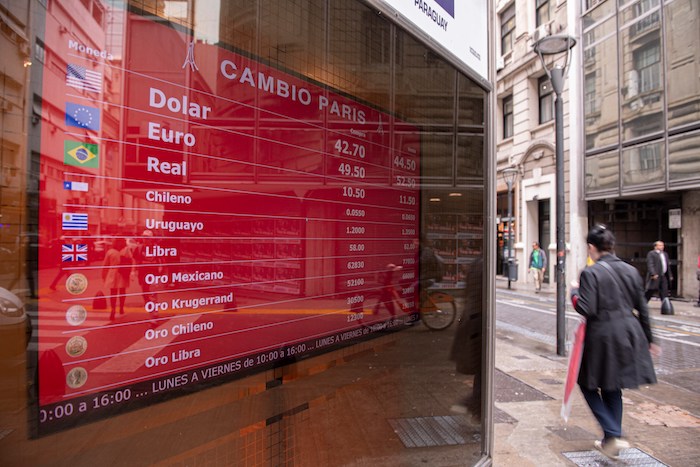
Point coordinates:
[[659, 274], [617, 346]]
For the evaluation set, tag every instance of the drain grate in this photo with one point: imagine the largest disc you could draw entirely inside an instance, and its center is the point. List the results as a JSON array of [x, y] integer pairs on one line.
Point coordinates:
[[509, 389], [632, 456], [433, 431], [500, 416]]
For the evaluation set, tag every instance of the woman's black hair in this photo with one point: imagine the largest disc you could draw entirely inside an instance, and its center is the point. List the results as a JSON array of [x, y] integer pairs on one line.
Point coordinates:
[[601, 237]]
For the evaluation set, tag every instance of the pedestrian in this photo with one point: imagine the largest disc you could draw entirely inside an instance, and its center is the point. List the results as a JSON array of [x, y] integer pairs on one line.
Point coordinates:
[[659, 274], [432, 266], [467, 343], [618, 344], [147, 264], [116, 273], [538, 264], [56, 252], [697, 276]]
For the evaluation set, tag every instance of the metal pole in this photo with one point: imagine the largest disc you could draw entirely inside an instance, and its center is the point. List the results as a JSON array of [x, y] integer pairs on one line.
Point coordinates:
[[557, 84], [510, 229]]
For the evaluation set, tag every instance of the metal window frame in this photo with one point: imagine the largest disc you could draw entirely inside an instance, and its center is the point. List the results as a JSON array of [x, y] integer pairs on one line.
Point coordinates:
[[489, 242]]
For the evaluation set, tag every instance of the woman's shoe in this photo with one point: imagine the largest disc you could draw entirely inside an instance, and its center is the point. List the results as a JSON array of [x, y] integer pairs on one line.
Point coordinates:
[[611, 447]]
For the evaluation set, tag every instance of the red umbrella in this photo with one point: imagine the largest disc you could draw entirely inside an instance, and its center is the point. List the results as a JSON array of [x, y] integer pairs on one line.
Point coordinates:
[[574, 366]]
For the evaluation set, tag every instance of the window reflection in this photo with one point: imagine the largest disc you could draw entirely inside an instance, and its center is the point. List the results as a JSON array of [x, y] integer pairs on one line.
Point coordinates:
[[279, 256], [642, 91], [656, 69], [684, 163], [682, 37], [601, 86], [602, 172], [644, 164]]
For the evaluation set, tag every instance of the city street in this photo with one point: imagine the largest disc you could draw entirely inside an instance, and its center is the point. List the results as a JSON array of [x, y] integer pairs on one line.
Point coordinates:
[[661, 420], [679, 336]]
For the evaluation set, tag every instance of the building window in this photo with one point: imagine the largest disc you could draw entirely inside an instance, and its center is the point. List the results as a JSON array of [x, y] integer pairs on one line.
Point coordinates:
[[590, 103], [589, 52], [589, 55], [541, 12], [507, 29], [507, 117], [649, 21], [647, 63], [546, 99], [39, 51], [97, 13], [588, 4], [649, 157]]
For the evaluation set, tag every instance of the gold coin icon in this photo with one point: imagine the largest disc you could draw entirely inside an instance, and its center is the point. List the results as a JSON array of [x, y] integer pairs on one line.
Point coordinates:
[[76, 284], [76, 315], [76, 346], [76, 377]]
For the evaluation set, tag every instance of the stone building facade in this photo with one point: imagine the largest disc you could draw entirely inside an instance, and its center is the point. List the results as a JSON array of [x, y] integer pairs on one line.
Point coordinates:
[[525, 137]]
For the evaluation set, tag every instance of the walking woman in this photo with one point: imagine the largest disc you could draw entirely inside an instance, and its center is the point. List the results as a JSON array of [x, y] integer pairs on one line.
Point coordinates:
[[618, 345], [116, 274]]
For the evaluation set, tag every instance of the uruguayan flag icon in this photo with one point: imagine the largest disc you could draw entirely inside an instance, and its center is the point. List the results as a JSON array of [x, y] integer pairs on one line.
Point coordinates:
[[74, 221]]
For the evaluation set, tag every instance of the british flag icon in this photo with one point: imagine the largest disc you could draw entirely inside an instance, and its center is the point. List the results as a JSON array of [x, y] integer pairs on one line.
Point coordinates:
[[74, 252]]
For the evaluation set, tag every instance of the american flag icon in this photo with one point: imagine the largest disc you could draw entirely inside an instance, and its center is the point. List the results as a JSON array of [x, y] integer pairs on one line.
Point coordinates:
[[80, 77], [74, 252]]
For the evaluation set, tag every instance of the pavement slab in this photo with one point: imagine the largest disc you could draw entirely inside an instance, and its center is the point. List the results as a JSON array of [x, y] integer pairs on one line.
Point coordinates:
[[661, 421]]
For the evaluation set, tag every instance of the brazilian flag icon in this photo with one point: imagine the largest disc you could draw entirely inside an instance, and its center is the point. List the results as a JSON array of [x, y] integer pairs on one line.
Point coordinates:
[[81, 154]]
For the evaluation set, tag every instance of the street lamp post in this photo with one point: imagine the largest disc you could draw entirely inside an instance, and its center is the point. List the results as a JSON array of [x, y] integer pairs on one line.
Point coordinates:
[[509, 176], [553, 49]]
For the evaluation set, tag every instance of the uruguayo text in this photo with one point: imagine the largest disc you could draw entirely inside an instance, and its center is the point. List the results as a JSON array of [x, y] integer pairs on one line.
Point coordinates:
[[174, 226]]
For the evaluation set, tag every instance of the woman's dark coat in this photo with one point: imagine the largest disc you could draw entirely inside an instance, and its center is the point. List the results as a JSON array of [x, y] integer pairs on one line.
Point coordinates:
[[616, 350]]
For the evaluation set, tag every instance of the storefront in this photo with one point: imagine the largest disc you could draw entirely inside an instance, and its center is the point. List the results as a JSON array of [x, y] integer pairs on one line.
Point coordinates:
[[239, 232]]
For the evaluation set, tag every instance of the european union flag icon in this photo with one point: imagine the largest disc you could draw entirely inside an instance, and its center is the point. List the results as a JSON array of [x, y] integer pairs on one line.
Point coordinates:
[[83, 116]]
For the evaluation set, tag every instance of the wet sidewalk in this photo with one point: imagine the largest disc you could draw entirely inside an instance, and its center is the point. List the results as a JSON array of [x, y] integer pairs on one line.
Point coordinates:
[[683, 308], [662, 422]]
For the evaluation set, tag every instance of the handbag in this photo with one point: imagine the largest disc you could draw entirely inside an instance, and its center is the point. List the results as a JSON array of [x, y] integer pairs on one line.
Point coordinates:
[[99, 302]]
